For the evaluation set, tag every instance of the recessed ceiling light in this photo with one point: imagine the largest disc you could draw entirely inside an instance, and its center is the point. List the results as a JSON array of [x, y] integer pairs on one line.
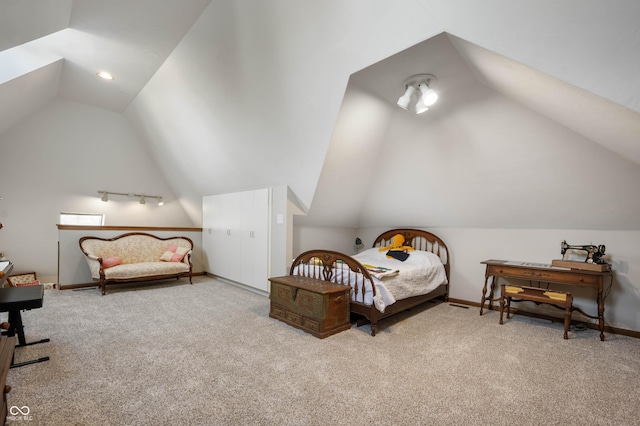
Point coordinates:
[[105, 75]]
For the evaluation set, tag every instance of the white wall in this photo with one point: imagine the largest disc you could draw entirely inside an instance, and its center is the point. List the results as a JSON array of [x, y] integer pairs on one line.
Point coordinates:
[[329, 238], [351, 161], [54, 162], [485, 161], [280, 232]]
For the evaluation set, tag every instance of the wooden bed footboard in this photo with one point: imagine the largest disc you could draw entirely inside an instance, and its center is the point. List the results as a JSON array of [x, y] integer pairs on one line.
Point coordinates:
[[333, 266]]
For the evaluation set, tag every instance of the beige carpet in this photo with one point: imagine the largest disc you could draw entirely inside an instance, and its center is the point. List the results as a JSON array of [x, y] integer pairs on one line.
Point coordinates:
[[208, 354]]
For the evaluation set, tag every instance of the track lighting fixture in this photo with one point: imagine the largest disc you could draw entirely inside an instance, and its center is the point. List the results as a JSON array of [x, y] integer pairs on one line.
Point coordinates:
[[142, 197], [420, 84]]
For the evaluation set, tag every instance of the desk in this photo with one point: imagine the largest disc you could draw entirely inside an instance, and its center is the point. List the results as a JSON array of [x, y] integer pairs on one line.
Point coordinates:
[[13, 300], [549, 274]]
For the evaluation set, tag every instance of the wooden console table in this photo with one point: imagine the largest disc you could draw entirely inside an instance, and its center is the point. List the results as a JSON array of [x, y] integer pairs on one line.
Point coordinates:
[[548, 274]]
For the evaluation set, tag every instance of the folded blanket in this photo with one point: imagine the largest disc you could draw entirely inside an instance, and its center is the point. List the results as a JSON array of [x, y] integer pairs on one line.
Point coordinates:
[[380, 272]]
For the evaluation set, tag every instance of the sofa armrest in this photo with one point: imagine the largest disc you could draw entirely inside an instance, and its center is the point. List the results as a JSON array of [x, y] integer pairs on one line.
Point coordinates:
[[95, 265]]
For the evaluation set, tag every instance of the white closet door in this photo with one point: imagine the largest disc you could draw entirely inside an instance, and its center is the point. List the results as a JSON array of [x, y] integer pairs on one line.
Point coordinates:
[[229, 247], [255, 249], [222, 233], [235, 237], [208, 224]]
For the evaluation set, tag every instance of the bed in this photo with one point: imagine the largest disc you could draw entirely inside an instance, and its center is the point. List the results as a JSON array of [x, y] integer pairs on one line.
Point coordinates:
[[383, 287]]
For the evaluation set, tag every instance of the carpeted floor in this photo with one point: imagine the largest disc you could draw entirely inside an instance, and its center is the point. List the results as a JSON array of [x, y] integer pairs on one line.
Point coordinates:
[[171, 353]]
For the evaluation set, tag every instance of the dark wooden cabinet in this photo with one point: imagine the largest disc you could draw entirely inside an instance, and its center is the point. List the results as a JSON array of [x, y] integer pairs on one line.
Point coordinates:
[[317, 307]]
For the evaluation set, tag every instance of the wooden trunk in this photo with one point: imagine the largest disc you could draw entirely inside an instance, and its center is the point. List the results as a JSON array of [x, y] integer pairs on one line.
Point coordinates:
[[318, 307]]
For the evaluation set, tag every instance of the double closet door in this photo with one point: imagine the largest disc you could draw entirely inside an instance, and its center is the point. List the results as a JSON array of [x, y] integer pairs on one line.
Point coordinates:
[[235, 236]]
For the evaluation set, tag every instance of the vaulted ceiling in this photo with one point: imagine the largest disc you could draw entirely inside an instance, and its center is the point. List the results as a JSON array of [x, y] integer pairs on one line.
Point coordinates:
[[539, 102], [56, 49], [505, 146]]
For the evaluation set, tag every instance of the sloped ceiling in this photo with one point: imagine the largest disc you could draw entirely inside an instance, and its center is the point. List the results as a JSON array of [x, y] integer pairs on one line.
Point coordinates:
[[505, 146], [610, 124], [232, 95], [129, 39]]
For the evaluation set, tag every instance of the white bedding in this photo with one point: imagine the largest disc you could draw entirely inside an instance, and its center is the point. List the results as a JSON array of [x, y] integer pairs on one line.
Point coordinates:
[[421, 273]]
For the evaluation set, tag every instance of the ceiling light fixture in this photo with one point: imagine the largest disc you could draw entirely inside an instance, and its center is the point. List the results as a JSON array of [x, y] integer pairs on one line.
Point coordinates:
[[420, 84], [142, 197], [104, 75]]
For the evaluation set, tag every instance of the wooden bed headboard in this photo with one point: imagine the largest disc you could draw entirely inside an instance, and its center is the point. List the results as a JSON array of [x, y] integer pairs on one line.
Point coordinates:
[[419, 240]]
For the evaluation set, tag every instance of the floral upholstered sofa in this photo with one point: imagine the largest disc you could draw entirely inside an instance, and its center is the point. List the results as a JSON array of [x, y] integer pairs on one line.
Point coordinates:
[[137, 256]]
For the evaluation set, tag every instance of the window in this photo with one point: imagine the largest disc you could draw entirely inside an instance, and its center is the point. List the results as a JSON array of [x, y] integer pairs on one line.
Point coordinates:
[[85, 219]]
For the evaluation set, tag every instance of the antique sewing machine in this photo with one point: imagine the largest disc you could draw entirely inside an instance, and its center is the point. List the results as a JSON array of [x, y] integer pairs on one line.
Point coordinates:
[[594, 253]]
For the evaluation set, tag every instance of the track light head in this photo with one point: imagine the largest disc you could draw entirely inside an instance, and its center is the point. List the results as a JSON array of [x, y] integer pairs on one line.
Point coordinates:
[[142, 200], [160, 202], [429, 96], [105, 196], [421, 107], [405, 100]]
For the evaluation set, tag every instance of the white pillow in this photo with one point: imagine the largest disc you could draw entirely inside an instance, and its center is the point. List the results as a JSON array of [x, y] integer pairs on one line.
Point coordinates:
[[167, 255]]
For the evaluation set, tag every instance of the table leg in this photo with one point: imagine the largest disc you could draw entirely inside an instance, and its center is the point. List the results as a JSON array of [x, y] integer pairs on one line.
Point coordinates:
[[16, 327], [601, 314], [567, 315], [502, 303], [484, 293], [492, 291]]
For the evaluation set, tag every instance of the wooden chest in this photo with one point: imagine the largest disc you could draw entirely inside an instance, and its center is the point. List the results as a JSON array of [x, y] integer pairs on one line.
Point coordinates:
[[317, 307]]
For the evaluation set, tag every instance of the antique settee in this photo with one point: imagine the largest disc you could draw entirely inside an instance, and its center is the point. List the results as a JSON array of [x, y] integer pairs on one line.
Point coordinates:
[[137, 256]]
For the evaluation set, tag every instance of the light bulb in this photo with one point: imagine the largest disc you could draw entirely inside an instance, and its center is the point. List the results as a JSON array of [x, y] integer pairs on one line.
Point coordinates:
[[421, 107], [429, 96]]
